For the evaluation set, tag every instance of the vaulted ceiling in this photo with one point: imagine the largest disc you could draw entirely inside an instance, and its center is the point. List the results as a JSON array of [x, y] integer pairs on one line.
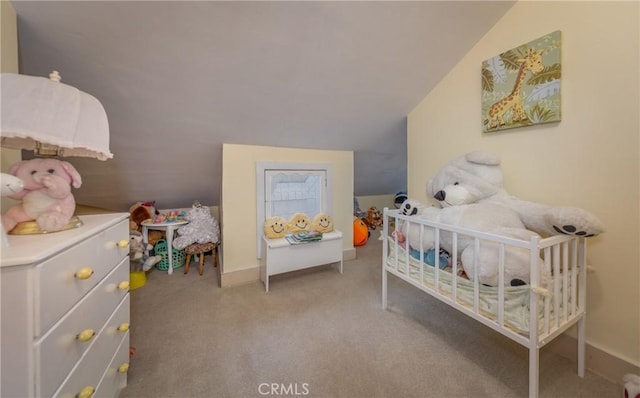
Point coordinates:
[[180, 78]]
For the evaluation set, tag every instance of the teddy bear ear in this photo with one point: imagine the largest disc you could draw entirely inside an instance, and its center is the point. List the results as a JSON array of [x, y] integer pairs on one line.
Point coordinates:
[[481, 157]]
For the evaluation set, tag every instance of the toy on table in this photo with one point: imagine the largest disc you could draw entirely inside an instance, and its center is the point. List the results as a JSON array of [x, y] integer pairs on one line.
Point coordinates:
[[172, 216], [46, 195]]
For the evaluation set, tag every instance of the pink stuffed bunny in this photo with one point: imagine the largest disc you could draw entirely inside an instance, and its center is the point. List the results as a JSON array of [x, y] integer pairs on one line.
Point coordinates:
[[46, 197]]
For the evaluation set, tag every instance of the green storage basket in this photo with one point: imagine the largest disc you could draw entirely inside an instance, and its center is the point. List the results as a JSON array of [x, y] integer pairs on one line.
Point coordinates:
[[178, 256]]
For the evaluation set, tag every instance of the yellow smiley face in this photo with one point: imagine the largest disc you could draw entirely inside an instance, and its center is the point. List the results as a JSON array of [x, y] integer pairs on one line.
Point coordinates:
[[275, 227], [299, 222], [322, 223]]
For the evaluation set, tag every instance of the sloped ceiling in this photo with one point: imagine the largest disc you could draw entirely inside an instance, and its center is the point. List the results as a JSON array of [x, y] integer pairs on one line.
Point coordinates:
[[178, 79]]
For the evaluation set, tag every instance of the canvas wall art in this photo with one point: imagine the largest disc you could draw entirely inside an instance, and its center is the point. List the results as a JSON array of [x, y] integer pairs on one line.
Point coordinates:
[[521, 87]]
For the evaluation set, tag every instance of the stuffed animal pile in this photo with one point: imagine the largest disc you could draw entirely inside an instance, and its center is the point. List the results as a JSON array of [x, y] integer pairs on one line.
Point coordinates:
[[139, 252], [145, 211], [202, 228], [46, 195], [470, 193]]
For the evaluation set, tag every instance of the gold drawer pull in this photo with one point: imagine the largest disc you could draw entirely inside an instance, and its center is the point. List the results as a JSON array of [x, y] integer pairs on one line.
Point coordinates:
[[124, 285], [123, 243], [86, 335], [124, 368], [83, 273], [123, 327], [86, 392]]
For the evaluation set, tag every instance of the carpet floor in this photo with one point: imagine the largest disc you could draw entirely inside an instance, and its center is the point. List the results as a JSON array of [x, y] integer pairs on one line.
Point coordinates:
[[319, 333]]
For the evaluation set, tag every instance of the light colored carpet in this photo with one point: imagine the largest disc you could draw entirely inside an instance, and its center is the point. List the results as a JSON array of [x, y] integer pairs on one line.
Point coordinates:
[[318, 333]]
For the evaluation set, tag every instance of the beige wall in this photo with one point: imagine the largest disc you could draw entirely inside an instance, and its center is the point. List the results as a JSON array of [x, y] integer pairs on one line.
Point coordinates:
[[589, 159], [238, 203], [8, 64]]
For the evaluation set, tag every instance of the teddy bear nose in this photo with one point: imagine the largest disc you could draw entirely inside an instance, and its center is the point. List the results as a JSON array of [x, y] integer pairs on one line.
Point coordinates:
[[440, 195]]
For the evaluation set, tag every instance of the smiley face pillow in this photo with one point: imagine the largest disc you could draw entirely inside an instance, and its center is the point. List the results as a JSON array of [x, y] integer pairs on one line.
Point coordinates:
[[275, 227], [299, 222], [322, 223]]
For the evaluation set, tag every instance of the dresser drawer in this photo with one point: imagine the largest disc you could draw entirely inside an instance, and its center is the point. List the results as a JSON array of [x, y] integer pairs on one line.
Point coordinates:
[[59, 350], [99, 360], [57, 288], [115, 377]]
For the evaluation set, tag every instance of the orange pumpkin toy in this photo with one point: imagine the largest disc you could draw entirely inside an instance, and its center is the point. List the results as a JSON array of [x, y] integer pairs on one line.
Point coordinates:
[[360, 232]]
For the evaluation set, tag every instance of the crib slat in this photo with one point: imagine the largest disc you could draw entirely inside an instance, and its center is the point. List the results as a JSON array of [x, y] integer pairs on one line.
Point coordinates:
[[501, 285], [574, 277], [547, 304], [406, 246], [421, 255], [436, 274], [565, 280], [476, 279], [454, 262], [556, 285]]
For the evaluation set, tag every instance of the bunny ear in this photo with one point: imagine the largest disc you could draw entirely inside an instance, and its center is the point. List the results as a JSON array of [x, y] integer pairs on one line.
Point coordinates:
[[76, 180]]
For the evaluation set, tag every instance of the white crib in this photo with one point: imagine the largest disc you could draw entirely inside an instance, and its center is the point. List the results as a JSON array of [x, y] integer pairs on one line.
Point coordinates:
[[531, 315]]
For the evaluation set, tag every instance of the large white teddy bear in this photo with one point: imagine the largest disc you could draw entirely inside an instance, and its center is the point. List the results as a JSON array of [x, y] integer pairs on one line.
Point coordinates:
[[470, 191], [484, 217], [477, 178]]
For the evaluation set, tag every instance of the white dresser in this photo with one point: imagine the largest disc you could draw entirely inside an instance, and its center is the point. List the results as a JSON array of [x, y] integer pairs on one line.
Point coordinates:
[[65, 311]]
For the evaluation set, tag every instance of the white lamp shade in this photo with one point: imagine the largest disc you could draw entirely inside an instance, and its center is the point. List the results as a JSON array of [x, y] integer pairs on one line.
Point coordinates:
[[37, 109]]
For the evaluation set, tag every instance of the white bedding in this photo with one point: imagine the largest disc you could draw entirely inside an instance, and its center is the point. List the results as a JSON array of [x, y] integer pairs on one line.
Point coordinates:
[[516, 302]]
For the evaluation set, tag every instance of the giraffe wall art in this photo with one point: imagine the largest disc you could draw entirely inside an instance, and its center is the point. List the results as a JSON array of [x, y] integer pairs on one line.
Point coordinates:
[[521, 87]]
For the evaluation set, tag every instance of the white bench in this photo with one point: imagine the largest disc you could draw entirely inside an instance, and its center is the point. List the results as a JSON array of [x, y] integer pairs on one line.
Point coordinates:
[[279, 256]]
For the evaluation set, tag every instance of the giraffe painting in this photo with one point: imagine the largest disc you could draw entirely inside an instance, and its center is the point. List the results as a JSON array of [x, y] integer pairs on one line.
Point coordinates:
[[532, 62], [533, 97]]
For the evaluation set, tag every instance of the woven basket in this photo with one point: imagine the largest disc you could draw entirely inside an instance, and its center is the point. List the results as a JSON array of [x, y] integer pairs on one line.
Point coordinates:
[[178, 257]]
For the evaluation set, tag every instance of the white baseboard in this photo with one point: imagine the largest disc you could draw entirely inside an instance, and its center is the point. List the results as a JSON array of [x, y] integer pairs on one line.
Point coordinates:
[[597, 361]]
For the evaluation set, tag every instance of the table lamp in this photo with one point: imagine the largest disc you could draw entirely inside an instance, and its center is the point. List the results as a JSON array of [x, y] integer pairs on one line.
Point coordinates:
[[51, 118]]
